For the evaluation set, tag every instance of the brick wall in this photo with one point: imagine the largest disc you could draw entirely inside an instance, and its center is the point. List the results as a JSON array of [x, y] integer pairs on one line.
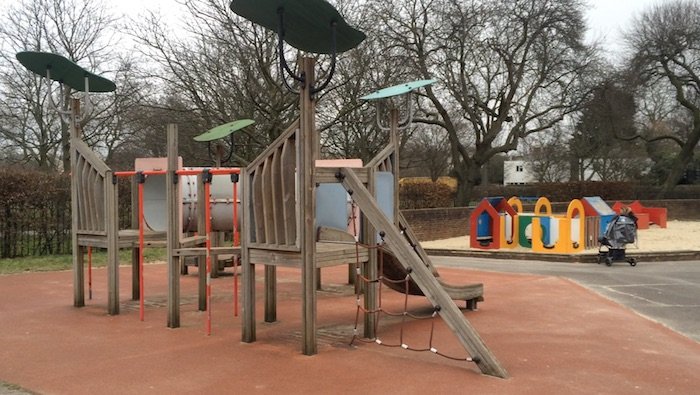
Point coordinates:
[[443, 223]]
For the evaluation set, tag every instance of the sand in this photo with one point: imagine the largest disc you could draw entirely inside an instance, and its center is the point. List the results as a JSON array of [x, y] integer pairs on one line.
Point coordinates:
[[677, 236]]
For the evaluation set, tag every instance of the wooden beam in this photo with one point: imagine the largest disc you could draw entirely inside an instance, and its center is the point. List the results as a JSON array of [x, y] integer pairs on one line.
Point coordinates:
[[307, 203], [248, 319], [77, 255], [112, 229], [453, 317]]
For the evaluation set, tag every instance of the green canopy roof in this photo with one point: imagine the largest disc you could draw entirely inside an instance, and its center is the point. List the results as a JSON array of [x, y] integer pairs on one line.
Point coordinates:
[[64, 71], [307, 23], [224, 130], [396, 90]]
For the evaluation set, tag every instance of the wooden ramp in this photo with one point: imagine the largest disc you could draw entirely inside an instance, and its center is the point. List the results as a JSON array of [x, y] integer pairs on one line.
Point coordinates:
[[421, 273]]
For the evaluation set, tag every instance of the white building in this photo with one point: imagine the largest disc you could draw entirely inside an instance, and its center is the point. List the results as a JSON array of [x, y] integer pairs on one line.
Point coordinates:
[[517, 172]]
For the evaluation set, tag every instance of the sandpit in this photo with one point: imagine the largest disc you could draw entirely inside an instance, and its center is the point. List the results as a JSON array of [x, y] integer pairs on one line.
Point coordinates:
[[677, 236]]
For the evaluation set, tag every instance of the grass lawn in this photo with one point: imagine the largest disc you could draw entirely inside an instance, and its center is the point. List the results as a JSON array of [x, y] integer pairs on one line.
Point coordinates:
[[64, 262]]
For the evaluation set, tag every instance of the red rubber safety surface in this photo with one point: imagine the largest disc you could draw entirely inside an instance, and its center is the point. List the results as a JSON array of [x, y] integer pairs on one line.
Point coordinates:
[[551, 335]]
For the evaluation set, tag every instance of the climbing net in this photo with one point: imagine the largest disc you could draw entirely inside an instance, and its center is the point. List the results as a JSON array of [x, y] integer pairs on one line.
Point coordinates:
[[364, 282]]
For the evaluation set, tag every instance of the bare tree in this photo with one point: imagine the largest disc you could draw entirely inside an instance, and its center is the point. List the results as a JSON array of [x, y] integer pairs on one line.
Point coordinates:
[[507, 69], [598, 145], [665, 42], [547, 156], [81, 31]]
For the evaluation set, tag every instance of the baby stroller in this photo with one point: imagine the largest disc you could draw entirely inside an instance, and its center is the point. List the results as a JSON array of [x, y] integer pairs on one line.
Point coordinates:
[[620, 231]]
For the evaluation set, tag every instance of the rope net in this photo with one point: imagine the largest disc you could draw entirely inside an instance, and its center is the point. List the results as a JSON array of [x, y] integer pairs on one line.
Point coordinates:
[[363, 282]]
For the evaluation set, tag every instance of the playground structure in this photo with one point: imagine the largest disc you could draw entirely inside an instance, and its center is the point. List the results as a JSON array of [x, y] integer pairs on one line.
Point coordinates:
[[542, 231], [645, 215], [493, 224], [278, 203]]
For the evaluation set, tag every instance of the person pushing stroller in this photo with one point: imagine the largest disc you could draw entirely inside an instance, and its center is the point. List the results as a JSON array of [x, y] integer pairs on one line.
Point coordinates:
[[621, 230]]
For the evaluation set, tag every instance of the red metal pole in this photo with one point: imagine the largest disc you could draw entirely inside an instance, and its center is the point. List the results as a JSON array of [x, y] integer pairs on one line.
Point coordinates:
[[141, 223], [236, 242]]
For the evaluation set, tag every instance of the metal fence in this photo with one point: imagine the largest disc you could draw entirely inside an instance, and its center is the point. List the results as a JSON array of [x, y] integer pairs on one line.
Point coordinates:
[[29, 229], [43, 229]]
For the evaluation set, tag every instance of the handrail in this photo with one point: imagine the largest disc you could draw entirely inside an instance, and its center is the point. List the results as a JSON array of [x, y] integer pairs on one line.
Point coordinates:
[[279, 141], [90, 156], [382, 156]]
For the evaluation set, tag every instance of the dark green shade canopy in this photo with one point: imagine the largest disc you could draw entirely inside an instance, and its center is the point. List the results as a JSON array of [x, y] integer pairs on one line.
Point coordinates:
[[396, 90], [224, 130], [64, 71], [307, 23]]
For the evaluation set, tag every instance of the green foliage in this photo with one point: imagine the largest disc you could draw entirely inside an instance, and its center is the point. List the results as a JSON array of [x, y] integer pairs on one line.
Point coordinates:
[[426, 195]]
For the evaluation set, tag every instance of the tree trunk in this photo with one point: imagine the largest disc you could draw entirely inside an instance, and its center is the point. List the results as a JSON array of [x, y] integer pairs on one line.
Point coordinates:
[[467, 178], [685, 156]]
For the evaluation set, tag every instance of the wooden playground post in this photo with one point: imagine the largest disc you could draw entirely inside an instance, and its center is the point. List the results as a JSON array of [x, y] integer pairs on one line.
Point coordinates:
[[174, 229], [78, 259], [248, 269], [307, 203], [112, 230]]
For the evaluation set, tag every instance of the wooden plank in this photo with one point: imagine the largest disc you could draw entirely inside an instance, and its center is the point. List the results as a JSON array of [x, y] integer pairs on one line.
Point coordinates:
[[279, 141], [466, 334], [270, 293], [268, 211], [288, 163], [275, 258], [90, 184], [278, 198], [274, 247], [174, 228], [82, 198], [77, 257], [202, 251], [100, 200], [248, 314], [326, 175], [258, 206]]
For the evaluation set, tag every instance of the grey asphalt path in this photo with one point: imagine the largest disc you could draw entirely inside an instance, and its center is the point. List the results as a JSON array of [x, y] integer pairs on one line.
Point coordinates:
[[666, 292]]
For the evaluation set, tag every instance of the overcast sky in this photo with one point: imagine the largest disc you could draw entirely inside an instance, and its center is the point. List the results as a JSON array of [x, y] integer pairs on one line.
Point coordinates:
[[605, 18]]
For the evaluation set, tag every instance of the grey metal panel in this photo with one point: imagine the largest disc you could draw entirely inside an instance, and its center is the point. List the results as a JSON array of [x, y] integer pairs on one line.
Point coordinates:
[[332, 206], [384, 191]]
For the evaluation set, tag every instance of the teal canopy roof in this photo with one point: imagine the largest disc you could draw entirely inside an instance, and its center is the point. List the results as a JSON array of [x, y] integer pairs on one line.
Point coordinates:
[[224, 130], [64, 71], [307, 23], [396, 90]]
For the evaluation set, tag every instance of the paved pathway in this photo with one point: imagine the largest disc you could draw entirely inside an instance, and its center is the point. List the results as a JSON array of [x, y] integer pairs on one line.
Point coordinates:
[[667, 292], [551, 334]]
